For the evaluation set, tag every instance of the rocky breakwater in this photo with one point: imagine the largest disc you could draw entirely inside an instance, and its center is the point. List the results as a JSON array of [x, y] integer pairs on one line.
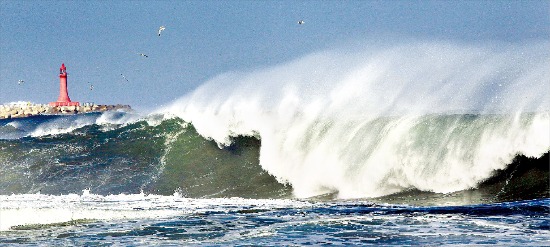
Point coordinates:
[[27, 110]]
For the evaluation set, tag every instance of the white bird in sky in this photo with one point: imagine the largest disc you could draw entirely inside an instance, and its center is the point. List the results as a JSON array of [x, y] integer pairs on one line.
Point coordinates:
[[20, 82], [124, 77], [301, 22], [161, 28], [143, 55]]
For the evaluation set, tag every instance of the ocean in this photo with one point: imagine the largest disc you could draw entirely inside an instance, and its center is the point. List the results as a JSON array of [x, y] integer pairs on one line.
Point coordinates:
[[115, 178], [424, 144]]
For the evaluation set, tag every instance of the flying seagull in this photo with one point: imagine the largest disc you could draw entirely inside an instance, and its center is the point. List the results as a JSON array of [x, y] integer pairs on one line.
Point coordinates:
[[20, 82], [143, 55], [91, 86], [301, 22], [124, 77], [161, 28]]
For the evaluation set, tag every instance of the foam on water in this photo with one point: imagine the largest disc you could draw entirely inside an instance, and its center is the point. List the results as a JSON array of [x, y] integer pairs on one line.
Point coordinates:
[[61, 126], [26, 209], [56, 125], [380, 120], [139, 220]]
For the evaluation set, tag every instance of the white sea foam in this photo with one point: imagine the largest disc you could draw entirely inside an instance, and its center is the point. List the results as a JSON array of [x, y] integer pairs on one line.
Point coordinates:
[[118, 118], [61, 126], [14, 124], [26, 209], [317, 116], [108, 120]]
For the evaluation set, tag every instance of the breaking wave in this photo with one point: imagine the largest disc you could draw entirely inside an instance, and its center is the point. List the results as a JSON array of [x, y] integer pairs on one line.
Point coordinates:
[[420, 118], [438, 117]]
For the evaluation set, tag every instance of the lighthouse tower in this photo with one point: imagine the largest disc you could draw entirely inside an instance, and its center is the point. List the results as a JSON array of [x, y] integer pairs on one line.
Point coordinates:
[[63, 99]]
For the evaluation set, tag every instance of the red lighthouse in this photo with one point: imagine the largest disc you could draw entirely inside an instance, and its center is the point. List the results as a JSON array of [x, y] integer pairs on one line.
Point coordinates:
[[63, 99]]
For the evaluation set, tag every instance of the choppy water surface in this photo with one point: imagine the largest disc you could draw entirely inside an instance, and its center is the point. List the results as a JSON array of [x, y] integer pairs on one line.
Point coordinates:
[[145, 220], [424, 143]]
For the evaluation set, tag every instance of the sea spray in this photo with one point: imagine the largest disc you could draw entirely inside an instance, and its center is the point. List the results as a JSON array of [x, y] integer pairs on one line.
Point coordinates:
[[431, 116]]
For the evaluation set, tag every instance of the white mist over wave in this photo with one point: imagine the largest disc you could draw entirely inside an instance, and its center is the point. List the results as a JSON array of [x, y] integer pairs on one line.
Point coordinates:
[[357, 122]]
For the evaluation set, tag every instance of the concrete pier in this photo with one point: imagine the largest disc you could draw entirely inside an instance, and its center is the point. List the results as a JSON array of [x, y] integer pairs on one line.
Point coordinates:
[[27, 110]]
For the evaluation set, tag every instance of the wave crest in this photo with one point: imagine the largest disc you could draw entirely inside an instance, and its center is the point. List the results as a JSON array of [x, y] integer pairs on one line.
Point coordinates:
[[382, 120]]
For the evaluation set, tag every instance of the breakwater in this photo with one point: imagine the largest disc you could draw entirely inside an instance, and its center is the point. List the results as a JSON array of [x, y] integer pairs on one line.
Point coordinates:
[[28, 109]]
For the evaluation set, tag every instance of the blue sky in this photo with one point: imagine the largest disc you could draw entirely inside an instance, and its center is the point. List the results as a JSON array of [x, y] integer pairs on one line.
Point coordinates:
[[100, 40]]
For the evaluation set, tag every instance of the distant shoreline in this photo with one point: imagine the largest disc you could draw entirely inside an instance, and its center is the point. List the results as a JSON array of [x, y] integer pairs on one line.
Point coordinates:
[[22, 110]]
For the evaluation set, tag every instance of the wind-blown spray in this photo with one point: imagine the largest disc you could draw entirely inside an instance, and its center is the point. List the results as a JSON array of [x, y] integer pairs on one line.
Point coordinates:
[[432, 116]]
